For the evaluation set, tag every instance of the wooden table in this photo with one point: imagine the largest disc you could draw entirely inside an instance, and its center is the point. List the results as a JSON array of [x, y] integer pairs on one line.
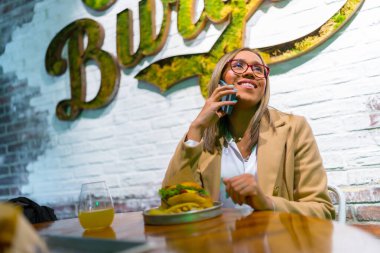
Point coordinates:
[[231, 232]]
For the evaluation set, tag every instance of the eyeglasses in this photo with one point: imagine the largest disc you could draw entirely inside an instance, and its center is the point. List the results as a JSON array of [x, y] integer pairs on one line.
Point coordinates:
[[240, 67]]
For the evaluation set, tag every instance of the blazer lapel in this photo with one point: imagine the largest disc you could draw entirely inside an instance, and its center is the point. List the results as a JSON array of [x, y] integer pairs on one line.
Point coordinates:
[[209, 165], [270, 153]]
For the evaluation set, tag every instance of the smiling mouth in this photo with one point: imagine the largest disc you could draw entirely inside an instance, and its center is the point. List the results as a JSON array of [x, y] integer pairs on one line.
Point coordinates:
[[248, 85]]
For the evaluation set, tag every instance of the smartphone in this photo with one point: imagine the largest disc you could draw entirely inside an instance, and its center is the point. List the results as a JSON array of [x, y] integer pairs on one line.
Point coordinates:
[[227, 108]]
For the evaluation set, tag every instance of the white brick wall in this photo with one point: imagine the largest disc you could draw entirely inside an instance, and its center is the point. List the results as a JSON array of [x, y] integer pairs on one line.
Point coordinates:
[[129, 143]]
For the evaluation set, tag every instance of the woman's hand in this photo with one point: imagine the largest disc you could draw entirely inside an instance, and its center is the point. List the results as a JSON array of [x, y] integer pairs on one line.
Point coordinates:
[[210, 112], [243, 189]]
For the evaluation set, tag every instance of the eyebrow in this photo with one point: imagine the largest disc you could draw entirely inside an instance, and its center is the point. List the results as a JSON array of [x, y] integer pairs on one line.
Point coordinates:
[[238, 59]]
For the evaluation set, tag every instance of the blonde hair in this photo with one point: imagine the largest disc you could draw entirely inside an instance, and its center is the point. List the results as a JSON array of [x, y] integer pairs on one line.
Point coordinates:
[[213, 133]]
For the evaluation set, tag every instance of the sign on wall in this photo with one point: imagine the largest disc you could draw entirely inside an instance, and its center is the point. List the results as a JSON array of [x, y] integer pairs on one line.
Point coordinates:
[[166, 72]]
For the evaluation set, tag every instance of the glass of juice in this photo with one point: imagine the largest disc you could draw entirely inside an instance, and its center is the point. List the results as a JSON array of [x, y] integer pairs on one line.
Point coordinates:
[[96, 209]]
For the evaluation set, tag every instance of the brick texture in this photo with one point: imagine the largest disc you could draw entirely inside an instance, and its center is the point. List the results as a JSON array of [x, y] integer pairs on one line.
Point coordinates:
[[22, 138], [129, 143], [368, 213], [13, 14], [363, 195]]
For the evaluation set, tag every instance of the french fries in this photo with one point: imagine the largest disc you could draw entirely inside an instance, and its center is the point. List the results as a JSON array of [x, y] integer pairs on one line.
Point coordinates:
[[180, 208]]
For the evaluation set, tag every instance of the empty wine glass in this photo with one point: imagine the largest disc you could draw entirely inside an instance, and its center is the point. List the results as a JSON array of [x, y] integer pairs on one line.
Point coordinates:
[[96, 209]]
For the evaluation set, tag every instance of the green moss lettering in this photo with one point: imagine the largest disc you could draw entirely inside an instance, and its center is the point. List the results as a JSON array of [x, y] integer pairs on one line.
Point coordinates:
[[166, 72], [78, 56], [99, 5]]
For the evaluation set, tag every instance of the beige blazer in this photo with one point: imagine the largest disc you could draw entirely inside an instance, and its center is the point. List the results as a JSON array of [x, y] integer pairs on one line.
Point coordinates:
[[289, 167]]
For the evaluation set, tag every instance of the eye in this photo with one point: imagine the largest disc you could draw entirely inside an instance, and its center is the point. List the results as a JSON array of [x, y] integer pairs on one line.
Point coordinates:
[[238, 64], [258, 68]]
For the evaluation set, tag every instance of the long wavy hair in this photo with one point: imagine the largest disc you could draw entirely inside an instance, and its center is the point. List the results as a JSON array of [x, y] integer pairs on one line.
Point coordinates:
[[215, 132]]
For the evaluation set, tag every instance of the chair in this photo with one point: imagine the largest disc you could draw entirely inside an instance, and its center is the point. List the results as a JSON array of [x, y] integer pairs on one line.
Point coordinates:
[[338, 195]]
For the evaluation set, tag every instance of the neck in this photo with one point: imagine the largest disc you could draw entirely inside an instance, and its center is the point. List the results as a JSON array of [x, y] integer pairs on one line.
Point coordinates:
[[239, 121]]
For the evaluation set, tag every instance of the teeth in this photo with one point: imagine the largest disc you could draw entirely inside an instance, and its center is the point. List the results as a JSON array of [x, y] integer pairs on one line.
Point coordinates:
[[248, 85]]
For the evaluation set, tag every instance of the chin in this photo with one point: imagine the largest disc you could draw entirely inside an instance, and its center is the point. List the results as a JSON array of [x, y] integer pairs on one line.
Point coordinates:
[[246, 105]]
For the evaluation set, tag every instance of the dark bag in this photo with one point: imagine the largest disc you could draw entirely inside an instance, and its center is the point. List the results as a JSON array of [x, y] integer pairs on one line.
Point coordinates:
[[33, 211]]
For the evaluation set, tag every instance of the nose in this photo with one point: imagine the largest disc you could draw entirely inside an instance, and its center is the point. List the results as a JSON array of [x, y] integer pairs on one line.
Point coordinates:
[[249, 73]]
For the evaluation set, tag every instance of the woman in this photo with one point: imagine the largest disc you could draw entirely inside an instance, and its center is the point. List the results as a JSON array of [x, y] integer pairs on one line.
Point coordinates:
[[256, 157]]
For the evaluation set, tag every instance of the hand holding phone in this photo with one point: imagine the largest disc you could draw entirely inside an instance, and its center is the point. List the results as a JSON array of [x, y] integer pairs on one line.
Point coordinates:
[[230, 97]]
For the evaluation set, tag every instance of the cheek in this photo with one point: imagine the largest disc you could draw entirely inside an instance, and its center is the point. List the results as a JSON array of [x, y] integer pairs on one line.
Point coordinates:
[[229, 77], [264, 85]]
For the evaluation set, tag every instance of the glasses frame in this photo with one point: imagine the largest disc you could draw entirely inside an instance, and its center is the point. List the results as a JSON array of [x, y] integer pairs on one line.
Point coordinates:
[[266, 68]]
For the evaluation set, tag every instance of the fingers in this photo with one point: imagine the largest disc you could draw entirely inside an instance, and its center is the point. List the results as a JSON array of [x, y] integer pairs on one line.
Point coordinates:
[[211, 110], [229, 190], [243, 181], [220, 104], [241, 187], [222, 91], [220, 114]]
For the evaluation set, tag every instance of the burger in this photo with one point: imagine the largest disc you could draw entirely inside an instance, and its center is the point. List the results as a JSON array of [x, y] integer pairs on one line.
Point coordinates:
[[185, 196]]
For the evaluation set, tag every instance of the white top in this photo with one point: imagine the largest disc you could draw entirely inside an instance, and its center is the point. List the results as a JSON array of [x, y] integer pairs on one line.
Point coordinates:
[[233, 164]]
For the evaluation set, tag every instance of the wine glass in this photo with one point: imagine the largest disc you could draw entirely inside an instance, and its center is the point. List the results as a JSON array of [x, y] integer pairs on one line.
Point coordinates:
[[96, 209]]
